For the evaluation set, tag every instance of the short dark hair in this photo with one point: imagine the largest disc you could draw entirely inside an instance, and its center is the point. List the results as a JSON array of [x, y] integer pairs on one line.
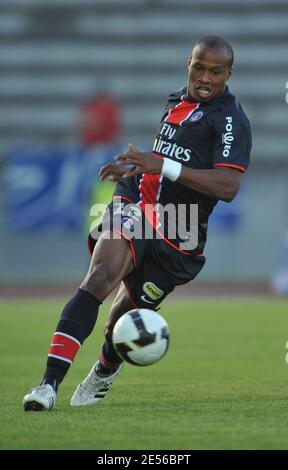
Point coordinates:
[[216, 42]]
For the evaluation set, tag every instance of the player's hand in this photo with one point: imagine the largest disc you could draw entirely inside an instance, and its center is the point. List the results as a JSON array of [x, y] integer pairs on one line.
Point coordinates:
[[142, 162], [112, 171]]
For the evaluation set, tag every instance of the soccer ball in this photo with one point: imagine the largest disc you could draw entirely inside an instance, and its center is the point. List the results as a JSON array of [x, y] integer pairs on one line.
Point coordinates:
[[141, 337]]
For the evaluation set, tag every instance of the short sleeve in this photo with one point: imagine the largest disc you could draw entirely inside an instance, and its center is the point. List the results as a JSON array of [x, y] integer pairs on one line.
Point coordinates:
[[232, 142]]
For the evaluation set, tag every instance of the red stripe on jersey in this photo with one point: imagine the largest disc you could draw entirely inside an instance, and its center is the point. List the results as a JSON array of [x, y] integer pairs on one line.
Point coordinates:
[[181, 112], [150, 186], [241, 168], [64, 347]]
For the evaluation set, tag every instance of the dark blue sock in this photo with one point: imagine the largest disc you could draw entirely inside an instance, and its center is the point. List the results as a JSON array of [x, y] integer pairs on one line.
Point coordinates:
[[76, 324]]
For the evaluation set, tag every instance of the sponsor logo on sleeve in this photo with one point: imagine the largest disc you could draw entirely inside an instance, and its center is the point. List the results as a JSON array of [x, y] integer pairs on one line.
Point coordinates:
[[227, 137]]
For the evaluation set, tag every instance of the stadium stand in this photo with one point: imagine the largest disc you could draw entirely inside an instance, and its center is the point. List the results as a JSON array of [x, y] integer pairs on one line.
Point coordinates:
[[54, 52]]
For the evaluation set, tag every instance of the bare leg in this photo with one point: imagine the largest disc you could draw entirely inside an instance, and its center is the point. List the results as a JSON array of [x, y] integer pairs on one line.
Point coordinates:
[[102, 375], [121, 304], [110, 263], [109, 359]]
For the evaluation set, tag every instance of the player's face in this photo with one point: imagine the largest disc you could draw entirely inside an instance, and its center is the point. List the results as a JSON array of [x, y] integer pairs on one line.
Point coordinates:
[[208, 71]]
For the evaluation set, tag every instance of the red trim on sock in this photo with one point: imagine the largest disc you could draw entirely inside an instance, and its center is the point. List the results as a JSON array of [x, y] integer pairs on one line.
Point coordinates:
[[64, 347], [108, 365]]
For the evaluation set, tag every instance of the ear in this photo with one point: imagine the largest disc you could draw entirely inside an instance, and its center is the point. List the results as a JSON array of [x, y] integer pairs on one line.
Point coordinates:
[[230, 73]]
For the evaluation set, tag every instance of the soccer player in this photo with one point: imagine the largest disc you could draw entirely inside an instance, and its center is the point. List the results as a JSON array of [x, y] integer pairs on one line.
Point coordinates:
[[202, 149]]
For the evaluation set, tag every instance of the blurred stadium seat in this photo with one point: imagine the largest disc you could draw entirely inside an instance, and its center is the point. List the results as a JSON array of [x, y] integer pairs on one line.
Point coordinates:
[[53, 53]]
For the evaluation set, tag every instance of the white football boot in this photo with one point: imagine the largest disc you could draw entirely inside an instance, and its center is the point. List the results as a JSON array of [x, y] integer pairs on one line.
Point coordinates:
[[94, 388], [41, 398]]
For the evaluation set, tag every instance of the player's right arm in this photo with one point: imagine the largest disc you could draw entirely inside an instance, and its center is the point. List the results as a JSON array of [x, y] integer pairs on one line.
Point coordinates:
[[112, 171], [220, 183]]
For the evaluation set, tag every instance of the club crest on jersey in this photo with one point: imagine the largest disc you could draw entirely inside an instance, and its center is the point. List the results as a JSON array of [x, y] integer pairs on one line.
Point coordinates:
[[128, 223], [196, 116]]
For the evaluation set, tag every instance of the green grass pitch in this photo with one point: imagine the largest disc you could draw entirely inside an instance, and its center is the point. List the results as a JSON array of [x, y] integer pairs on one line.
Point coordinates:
[[222, 385]]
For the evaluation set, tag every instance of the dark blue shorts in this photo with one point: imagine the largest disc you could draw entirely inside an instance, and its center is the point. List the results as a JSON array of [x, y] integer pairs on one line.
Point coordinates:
[[159, 267]]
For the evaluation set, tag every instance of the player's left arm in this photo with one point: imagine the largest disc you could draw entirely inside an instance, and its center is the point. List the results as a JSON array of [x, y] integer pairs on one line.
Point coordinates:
[[231, 154], [221, 182]]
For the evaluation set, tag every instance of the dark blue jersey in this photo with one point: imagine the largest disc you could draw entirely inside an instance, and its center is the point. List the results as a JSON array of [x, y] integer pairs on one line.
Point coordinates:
[[200, 136]]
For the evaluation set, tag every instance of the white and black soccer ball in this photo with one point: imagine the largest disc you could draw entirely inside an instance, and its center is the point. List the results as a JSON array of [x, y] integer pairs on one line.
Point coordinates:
[[141, 337]]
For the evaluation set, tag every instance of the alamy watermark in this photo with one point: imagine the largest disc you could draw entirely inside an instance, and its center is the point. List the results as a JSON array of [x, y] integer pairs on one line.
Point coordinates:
[[175, 222]]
